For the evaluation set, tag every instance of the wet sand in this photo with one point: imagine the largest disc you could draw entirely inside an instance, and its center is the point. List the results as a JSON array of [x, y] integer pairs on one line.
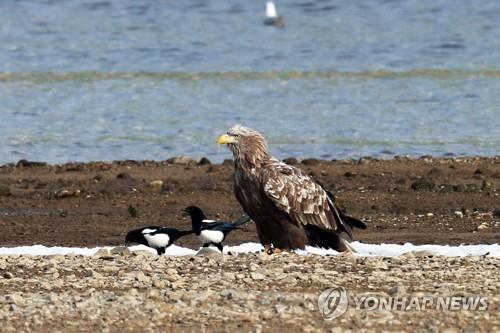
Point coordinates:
[[422, 201]]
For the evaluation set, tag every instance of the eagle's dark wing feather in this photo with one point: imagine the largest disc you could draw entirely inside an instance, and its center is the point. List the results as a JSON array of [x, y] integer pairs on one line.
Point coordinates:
[[297, 194]]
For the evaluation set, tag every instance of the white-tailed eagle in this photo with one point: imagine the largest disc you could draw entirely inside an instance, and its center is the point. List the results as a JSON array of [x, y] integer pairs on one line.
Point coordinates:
[[289, 208]]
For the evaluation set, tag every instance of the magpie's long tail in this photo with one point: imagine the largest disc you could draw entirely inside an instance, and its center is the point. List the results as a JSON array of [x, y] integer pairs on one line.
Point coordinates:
[[185, 232], [242, 220], [181, 233]]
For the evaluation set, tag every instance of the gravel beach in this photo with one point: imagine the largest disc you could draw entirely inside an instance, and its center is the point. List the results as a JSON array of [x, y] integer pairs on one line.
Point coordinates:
[[141, 292]]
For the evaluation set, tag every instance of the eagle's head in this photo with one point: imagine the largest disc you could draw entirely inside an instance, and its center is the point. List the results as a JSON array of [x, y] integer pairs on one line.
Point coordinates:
[[246, 144]]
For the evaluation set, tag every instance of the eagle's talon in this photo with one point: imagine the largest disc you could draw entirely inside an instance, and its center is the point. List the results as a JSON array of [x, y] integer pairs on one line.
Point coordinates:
[[273, 250]]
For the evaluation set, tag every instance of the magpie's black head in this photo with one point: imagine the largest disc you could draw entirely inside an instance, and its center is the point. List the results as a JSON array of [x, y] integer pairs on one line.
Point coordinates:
[[196, 214], [135, 237]]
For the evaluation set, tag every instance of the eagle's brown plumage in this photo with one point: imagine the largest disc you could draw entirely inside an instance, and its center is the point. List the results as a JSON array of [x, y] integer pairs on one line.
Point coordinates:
[[288, 207]]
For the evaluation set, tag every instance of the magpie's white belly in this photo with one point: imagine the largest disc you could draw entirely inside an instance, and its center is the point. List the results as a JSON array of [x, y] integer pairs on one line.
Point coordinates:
[[211, 236], [158, 240]]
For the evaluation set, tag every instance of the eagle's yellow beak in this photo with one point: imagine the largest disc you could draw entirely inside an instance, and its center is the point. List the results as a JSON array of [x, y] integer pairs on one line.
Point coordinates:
[[225, 139]]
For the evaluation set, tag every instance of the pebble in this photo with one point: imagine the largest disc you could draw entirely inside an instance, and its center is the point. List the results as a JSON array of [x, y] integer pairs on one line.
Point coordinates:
[[483, 226], [423, 185], [156, 185], [122, 250], [182, 160], [397, 289], [204, 161], [4, 191], [257, 276], [102, 253]]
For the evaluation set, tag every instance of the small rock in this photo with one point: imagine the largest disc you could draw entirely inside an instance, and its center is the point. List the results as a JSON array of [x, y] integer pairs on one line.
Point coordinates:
[[401, 181], [88, 273], [483, 226], [257, 276], [459, 214], [182, 160], [144, 253], [435, 171], [14, 298], [122, 250], [423, 253], [459, 188], [208, 251], [154, 293], [139, 276], [365, 160], [423, 185], [204, 161], [291, 161], [102, 253], [7, 275], [132, 211], [407, 255], [157, 185], [310, 161], [397, 289], [26, 163], [481, 171], [98, 178], [226, 293], [4, 191], [64, 193], [379, 264], [123, 176], [160, 284], [450, 330], [486, 185], [472, 188]]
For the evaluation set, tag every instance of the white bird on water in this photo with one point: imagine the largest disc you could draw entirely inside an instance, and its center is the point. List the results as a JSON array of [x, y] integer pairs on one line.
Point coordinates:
[[272, 17]]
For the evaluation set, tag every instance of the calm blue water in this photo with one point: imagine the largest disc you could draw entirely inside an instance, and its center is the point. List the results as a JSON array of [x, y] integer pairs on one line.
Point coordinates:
[[98, 80]]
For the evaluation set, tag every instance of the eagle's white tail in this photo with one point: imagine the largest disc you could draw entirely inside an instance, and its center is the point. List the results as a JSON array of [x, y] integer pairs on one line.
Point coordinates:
[[348, 245]]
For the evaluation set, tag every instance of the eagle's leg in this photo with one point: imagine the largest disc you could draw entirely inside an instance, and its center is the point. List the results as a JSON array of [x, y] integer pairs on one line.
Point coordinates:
[[267, 248], [274, 250]]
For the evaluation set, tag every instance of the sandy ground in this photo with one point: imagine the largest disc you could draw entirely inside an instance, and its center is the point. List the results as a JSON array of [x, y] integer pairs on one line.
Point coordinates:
[[440, 201]]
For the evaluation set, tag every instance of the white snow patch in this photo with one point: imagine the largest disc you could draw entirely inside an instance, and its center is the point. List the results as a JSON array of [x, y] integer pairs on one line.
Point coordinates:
[[385, 250]]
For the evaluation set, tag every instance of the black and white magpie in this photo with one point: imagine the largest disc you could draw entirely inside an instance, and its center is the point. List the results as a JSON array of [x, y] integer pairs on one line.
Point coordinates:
[[211, 232], [158, 238]]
